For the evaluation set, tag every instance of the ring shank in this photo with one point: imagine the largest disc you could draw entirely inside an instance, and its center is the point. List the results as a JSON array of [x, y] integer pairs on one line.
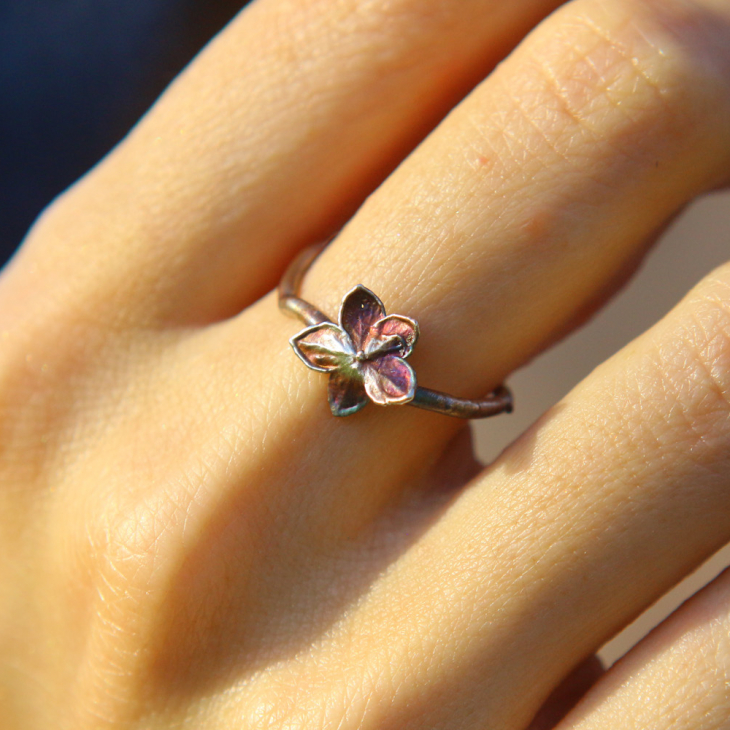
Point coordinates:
[[498, 401], [290, 284]]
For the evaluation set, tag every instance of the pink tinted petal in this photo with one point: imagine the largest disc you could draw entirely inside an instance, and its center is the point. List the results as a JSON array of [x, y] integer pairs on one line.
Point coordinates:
[[389, 379], [323, 347], [360, 310], [346, 393], [405, 328]]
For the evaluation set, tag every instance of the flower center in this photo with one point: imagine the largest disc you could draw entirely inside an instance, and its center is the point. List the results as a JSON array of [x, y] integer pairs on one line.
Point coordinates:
[[360, 356]]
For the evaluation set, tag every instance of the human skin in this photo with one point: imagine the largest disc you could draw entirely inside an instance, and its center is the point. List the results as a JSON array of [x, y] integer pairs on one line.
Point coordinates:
[[189, 539]]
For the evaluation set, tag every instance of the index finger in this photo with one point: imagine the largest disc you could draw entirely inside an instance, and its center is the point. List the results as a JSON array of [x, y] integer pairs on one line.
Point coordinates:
[[269, 140]]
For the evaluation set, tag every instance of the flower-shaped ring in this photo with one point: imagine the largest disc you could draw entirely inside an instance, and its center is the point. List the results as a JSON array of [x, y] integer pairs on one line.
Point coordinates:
[[365, 353]]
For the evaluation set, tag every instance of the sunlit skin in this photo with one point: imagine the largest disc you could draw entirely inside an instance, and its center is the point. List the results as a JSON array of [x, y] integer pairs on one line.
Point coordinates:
[[190, 539]]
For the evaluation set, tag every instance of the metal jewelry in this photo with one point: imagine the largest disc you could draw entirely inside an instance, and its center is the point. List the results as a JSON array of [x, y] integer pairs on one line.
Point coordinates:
[[365, 354]]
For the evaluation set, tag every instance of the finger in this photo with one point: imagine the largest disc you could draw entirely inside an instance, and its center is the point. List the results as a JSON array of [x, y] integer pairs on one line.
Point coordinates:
[[617, 494], [677, 678], [557, 170], [272, 137]]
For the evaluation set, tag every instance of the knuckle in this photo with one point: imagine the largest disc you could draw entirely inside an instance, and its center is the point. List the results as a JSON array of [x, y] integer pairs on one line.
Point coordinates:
[[633, 72], [46, 367], [126, 544], [117, 553], [697, 360]]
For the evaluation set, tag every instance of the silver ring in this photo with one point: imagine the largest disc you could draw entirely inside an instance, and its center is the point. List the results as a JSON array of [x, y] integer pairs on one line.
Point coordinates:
[[365, 353]]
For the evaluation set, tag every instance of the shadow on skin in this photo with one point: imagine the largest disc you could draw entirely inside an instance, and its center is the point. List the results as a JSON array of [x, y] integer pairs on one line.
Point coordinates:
[[227, 614]]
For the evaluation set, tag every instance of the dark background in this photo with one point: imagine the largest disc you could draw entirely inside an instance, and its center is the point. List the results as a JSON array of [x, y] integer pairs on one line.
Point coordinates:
[[74, 77]]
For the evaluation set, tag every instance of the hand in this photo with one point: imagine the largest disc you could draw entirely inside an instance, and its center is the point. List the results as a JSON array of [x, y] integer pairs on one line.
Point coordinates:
[[190, 539]]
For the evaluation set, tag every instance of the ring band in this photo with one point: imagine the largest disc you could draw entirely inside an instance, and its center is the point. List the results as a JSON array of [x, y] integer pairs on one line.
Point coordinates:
[[365, 353]]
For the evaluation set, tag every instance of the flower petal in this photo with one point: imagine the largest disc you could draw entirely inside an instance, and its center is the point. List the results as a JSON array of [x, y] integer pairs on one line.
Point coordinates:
[[384, 330], [346, 394], [389, 379], [323, 347], [360, 310]]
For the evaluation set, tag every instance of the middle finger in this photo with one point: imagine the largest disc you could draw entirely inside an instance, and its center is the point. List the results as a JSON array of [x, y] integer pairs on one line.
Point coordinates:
[[536, 195]]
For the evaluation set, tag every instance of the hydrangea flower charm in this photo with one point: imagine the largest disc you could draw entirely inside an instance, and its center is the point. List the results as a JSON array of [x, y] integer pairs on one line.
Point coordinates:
[[364, 355]]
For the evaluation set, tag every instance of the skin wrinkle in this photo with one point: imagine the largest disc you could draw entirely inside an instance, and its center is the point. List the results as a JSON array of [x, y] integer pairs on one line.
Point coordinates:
[[710, 379], [708, 340], [527, 115], [661, 90], [663, 427], [652, 417], [581, 111]]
